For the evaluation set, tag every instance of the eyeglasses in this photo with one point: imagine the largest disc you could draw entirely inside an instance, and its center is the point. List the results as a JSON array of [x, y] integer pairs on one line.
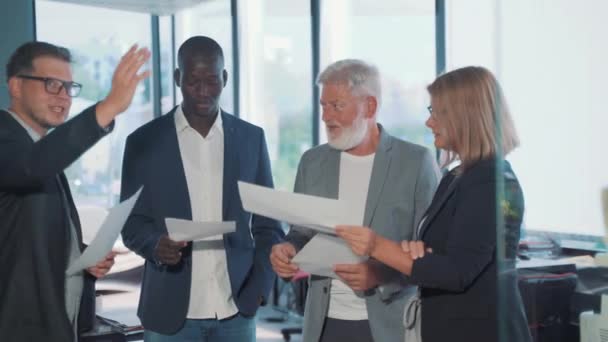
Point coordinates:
[[430, 108], [53, 86]]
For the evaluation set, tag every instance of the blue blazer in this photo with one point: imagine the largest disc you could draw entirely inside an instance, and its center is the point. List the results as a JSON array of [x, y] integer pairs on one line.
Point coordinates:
[[152, 159]]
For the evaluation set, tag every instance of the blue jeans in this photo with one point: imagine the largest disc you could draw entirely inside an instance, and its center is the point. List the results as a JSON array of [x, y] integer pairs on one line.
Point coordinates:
[[234, 329]]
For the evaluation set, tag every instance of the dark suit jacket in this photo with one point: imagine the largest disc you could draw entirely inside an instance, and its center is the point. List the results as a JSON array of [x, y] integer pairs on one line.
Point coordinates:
[[460, 279], [152, 158], [34, 227]]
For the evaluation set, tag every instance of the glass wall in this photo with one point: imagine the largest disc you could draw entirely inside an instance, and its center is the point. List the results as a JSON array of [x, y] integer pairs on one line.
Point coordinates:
[[548, 56], [97, 48], [275, 80], [167, 64], [211, 19], [550, 59], [397, 36]]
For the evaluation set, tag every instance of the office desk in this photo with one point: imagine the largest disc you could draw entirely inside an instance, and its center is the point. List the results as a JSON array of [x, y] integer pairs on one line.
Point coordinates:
[[591, 283], [116, 301], [119, 307]]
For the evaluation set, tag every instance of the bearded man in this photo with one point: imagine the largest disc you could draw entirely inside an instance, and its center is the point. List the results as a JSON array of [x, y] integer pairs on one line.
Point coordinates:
[[387, 182]]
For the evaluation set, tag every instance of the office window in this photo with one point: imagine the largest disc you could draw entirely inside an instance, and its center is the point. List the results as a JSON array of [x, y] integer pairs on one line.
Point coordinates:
[[276, 92], [397, 36], [167, 84], [211, 19], [97, 47], [552, 65]]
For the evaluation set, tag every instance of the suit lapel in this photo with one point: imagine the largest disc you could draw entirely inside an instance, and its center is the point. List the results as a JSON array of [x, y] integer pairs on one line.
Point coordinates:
[[231, 162], [171, 166], [328, 175], [435, 207], [382, 163], [63, 182]]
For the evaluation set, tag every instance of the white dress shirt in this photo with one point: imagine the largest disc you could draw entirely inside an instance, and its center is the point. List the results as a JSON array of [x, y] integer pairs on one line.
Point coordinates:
[[203, 159]]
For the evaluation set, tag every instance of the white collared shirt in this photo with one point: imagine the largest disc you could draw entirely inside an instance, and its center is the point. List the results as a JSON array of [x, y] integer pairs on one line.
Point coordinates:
[[203, 159]]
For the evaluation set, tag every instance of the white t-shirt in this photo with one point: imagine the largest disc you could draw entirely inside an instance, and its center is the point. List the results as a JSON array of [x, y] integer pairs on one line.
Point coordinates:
[[355, 174]]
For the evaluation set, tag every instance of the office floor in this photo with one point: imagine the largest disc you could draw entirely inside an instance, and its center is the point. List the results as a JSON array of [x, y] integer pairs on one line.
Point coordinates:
[[118, 301], [269, 329]]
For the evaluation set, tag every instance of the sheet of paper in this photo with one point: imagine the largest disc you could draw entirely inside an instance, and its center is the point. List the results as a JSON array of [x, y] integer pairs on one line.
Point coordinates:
[[106, 235], [318, 213], [185, 230], [324, 251]]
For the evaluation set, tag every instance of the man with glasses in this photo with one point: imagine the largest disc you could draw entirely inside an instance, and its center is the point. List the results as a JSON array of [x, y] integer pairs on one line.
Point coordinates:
[[54, 86], [39, 227]]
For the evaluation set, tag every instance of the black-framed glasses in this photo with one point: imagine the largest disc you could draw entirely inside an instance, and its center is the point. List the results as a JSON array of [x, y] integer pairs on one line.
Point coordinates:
[[430, 109], [54, 86]]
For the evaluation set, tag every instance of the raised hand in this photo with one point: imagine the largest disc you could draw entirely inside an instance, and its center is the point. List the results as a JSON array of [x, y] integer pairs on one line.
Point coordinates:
[[124, 82]]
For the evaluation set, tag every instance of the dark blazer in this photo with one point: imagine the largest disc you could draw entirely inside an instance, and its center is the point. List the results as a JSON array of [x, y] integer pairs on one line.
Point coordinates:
[[459, 280], [152, 158], [34, 227]]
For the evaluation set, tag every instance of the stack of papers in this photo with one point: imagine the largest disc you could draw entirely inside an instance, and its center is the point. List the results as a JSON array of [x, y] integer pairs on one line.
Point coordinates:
[[323, 251]]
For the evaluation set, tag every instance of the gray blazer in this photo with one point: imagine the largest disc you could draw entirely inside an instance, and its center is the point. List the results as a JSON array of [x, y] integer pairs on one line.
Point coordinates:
[[403, 180]]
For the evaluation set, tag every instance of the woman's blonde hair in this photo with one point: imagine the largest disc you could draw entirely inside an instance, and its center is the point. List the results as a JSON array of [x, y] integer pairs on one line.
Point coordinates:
[[471, 106]]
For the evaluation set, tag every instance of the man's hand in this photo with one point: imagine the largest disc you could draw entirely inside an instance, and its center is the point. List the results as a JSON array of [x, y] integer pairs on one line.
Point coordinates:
[[359, 277], [361, 240], [280, 258], [103, 267], [168, 251], [124, 83]]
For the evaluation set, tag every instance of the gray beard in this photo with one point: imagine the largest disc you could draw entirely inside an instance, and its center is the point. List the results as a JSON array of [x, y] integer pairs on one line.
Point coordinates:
[[351, 136]]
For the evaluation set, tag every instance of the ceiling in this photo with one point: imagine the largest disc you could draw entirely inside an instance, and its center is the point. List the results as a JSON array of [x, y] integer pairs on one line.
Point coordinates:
[[156, 7]]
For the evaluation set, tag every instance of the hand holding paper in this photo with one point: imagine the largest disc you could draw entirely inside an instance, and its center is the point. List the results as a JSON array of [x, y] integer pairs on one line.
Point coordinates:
[[322, 253], [361, 240], [359, 277], [102, 268], [168, 249], [280, 258], [106, 236]]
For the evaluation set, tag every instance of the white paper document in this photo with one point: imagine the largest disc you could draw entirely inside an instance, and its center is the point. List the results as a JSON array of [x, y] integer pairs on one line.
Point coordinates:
[[106, 235], [185, 230], [318, 213], [324, 251]]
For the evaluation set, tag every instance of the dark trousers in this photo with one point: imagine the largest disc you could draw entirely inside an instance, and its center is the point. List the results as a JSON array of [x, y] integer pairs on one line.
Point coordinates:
[[336, 330]]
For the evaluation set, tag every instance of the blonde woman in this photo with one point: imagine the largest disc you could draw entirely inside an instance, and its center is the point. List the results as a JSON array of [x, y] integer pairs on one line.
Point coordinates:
[[454, 261]]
